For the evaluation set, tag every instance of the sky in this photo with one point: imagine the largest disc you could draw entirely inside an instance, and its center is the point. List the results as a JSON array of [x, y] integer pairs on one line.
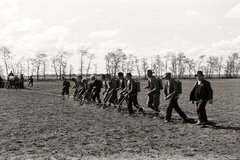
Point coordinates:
[[143, 28]]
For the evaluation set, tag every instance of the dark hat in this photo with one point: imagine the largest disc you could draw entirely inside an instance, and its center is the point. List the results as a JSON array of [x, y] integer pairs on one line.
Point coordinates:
[[167, 74], [129, 74], [150, 71], [199, 73], [120, 74], [108, 75]]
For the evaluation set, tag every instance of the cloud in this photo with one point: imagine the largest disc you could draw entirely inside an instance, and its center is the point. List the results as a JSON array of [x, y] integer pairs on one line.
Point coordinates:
[[227, 45], [219, 27], [99, 10], [104, 34], [191, 13], [23, 26], [113, 45], [234, 12], [9, 10], [72, 21]]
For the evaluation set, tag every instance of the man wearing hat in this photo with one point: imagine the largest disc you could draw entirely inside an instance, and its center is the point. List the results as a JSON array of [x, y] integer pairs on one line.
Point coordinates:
[[153, 93], [201, 93], [171, 93]]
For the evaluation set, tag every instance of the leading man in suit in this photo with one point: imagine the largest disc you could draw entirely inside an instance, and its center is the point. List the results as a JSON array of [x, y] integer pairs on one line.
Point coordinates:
[[201, 93]]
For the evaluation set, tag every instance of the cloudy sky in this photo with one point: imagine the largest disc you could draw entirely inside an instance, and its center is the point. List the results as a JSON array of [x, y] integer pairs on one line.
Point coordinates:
[[139, 27]]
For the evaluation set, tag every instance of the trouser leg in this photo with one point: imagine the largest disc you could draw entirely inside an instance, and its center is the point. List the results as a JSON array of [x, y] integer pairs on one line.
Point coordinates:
[[156, 102], [150, 102], [171, 104], [201, 111], [129, 104], [179, 111]]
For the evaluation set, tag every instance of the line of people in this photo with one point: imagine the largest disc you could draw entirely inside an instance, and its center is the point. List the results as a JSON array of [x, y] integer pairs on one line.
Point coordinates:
[[116, 91]]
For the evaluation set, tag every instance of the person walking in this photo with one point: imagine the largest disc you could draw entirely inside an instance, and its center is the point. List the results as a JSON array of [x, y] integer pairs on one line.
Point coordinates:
[[30, 81], [130, 93], [153, 93], [172, 94], [122, 84], [201, 93], [65, 89], [96, 89], [112, 89]]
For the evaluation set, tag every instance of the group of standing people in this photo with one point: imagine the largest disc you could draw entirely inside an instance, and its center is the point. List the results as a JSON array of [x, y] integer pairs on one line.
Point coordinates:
[[117, 90]]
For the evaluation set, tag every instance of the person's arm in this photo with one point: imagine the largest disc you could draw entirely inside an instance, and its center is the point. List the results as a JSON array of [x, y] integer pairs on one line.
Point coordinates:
[[210, 91]]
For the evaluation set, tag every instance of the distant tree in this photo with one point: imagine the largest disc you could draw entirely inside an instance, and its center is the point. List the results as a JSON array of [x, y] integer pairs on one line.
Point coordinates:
[[130, 63], [136, 61], [71, 69], [191, 65], [115, 59], [5, 54], [91, 57], [200, 60], [144, 66], [44, 64], [82, 52], [231, 64], [212, 62], [108, 65], [38, 62], [55, 64], [173, 60], [180, 64], [219, 65], [159, 63]]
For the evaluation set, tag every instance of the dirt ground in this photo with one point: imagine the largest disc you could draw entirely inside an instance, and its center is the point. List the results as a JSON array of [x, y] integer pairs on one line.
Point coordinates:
[[36, 124]]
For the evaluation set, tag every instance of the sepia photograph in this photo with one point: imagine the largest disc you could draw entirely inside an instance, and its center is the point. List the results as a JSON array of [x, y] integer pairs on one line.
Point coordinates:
[[119, 79]]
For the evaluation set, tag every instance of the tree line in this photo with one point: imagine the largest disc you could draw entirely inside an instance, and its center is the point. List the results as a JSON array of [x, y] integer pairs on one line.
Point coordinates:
[[177, 63]]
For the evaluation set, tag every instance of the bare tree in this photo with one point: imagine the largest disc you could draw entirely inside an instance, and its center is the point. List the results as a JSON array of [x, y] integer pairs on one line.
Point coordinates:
[[231, 64], [191, 65], [44, 64], [114, 60], [91, 57], [82, 52], [108, 66], [71, 69], [5, 54], [173, 60], [159, 63], [144, 66], [212, 62], [200, 60], [55, 64], [136, 61], [219, 65], [130, 63], [181, 65]]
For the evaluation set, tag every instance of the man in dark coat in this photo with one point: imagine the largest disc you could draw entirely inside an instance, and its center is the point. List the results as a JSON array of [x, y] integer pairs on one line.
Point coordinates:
[[201, 93], [171, 92]]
